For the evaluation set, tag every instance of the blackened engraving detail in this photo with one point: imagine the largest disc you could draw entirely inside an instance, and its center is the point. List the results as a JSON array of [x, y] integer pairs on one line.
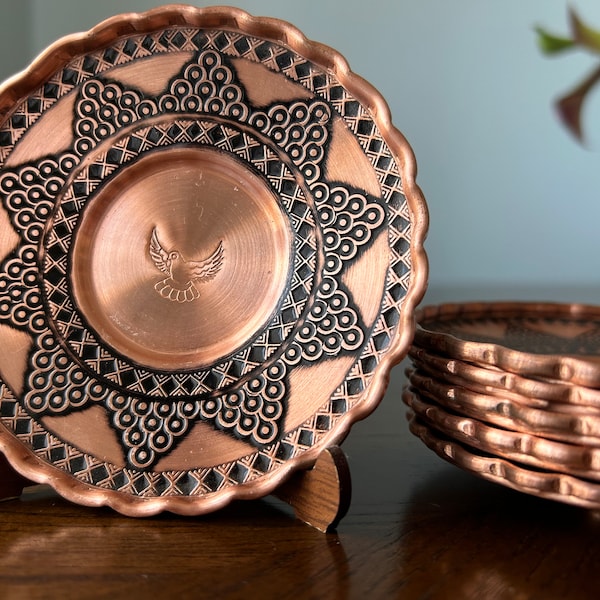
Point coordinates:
[[117, 370]]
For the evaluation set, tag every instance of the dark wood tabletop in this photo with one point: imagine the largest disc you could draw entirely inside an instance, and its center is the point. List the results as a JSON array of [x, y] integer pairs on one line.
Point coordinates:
[[417, 527]]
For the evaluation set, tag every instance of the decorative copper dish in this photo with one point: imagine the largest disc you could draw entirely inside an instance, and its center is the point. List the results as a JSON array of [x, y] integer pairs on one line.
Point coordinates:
[[509, 391], [534, 416], [537, 482], [497, 381], [543, 340], [525, 448], [474, 386], [211, 243]]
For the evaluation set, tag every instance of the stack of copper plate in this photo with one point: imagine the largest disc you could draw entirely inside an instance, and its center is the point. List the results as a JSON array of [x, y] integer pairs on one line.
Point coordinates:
[[511, 392]]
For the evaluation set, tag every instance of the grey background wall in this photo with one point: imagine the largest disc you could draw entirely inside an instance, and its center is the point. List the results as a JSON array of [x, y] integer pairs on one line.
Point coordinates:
[[513, 199]]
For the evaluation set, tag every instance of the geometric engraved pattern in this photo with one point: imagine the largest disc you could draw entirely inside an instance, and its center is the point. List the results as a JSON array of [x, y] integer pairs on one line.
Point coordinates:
[[71, 326], [333, 224]]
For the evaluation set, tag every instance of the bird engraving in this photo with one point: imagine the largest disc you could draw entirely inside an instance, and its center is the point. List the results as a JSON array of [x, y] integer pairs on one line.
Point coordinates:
[[183, 275]]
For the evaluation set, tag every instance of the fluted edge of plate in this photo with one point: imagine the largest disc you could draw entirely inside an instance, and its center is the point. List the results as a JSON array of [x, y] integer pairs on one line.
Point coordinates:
[[544, 484], [579, 370]]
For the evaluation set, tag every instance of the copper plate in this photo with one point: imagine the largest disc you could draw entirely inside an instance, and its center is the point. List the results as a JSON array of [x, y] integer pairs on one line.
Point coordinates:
[[576, 459], [545, 484], [473, 386], [212, 249], [498, 381], [556, 341], [506, 412]]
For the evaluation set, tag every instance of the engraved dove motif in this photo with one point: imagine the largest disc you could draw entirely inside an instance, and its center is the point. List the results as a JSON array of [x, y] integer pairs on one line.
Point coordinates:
[[182, 275]]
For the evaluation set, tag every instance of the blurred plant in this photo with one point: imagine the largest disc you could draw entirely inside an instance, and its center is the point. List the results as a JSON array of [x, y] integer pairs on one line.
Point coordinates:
[[583, 37]]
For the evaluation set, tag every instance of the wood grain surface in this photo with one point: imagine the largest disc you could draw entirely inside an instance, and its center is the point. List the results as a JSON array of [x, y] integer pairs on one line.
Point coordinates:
[[417, 528]]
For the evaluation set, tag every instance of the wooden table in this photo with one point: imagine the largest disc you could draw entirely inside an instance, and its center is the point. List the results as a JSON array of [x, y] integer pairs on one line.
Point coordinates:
[[417, 528]]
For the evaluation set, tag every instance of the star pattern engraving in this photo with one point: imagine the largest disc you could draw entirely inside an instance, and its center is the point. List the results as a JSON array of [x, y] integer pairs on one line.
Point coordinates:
[[70, 368]]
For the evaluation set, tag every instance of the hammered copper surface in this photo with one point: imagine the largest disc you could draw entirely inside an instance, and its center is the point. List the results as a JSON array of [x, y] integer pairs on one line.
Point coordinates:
[[498, 381], [554, 486], [556, 341], [212, 246], [525, 448]]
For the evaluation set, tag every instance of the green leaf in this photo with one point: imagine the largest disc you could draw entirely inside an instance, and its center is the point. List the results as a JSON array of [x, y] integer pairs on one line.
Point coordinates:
[[552, 44], [583, 34]]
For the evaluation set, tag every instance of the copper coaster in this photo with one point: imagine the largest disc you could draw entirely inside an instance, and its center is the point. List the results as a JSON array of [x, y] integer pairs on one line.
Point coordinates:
[[498, 381], [512, 415], [211, 243], [527, 448], [555, 341], [545, 484]]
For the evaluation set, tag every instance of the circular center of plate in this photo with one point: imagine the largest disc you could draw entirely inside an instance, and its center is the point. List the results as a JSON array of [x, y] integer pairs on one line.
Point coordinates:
[[181, 258]]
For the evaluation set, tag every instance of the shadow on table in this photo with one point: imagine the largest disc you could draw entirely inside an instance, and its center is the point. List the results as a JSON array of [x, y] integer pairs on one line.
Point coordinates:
[[464, 537]]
